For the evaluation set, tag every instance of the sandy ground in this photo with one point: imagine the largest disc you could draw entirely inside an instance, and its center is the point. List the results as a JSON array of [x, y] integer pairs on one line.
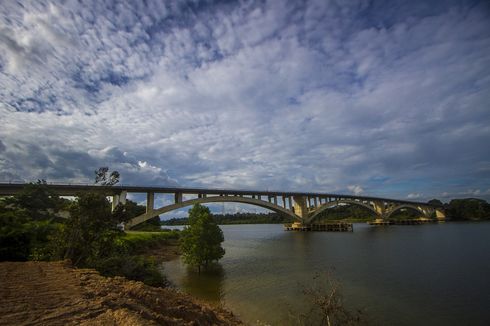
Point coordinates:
[[53, 293]]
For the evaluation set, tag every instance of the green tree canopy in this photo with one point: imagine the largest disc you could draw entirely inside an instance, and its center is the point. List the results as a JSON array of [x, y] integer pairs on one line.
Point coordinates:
[[38, 201], [89, 233], [201, 240], [26, 221], [468, 209]]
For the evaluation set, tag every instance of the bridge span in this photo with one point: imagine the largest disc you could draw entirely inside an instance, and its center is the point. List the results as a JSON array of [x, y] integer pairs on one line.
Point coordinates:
[[302, 206]]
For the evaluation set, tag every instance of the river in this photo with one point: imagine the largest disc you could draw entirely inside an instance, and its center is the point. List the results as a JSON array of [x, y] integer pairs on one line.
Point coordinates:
[[437, 274]]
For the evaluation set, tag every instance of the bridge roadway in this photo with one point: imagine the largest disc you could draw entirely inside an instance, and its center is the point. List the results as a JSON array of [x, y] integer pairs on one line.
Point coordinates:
[[302, 206]]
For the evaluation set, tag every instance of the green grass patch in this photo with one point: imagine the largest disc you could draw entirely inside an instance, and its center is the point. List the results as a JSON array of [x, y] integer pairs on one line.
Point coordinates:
[[137, 241]]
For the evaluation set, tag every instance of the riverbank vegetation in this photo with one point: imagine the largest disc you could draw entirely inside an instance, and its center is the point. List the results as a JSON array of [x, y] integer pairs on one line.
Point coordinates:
[[31, 229], [456, 209], [200, 242], [468, 209], [238, 218]]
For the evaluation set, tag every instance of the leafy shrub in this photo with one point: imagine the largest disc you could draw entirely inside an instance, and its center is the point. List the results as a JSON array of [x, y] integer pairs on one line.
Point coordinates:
[[200, 242], [136, 268]]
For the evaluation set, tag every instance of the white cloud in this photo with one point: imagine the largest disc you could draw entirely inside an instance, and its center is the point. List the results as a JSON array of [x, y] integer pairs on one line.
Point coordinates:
[[355, 189], [414, 195], [299, 97]]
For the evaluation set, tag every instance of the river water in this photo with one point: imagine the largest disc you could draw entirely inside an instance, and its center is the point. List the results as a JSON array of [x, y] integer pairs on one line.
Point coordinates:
[[437, 274]]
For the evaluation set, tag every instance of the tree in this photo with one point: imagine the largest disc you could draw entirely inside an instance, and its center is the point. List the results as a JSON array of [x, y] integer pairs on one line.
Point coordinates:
[[201, 240], [102, 178], [468, 209], [40, 202], [91, 232], [26, 222], [91, 236]]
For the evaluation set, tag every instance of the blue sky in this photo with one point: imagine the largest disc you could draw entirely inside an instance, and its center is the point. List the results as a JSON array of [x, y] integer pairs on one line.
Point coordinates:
[[388, 98]]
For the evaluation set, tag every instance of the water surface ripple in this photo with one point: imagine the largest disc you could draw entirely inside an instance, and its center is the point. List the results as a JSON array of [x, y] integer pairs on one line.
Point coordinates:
[[436, 274]]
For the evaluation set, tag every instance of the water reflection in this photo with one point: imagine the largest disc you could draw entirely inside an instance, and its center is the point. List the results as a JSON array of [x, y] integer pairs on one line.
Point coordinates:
[[400, 275], [207, 285]]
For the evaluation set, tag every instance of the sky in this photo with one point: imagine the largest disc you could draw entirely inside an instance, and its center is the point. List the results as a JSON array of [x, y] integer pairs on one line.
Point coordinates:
[[379, 98]]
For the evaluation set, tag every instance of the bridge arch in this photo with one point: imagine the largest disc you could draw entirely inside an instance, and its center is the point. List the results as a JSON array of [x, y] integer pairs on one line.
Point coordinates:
[[336, 203], [214, 199], [412, 207]]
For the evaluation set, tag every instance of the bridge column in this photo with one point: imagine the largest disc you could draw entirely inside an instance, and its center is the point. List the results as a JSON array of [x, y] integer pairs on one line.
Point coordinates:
[[178, 197], [115, 201], [440, 215], [425, 211], [122, 197], [380, 209], [150, 201], [300, 207], [119, 199]]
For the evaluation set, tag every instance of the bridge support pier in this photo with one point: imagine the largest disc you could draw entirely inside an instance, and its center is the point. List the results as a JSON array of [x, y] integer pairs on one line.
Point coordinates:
[[300, 207], [178, 197], [440, 215], [380, 209], [119, 199], [150, 201]]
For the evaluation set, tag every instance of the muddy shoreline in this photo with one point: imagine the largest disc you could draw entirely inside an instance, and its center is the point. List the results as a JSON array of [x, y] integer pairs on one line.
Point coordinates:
[[54, 293], [165, 252]]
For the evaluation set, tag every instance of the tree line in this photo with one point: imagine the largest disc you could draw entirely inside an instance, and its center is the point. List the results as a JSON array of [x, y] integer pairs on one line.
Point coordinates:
[[237, 218], [467, 209], [456, 209], [31, 229]]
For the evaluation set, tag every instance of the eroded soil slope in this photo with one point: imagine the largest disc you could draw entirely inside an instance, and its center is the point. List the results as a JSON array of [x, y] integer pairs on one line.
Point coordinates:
[[53, 293]]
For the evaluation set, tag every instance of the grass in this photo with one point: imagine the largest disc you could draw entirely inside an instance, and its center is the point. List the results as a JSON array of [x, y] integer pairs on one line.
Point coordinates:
[[140, 240], [132, 261]]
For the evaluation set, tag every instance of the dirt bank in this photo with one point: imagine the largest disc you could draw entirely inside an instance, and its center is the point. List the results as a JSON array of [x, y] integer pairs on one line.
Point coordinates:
[[163, 252], [53, 293]]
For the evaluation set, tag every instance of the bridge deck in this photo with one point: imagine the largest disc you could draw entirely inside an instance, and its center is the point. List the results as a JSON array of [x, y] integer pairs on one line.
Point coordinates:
[[7, 189]]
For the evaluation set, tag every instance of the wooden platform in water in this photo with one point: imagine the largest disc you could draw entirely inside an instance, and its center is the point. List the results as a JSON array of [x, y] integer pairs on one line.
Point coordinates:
[[327, 227]]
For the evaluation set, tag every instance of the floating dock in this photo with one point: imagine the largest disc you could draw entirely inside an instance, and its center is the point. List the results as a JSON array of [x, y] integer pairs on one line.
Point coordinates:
[[416, 221], [327, 227]]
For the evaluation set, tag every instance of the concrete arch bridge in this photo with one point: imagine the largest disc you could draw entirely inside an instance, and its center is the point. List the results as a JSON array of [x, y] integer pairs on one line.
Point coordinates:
[[302, 206]]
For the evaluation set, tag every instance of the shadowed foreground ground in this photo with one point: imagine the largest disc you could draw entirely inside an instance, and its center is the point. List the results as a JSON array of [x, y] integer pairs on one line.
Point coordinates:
[[53, 293]]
